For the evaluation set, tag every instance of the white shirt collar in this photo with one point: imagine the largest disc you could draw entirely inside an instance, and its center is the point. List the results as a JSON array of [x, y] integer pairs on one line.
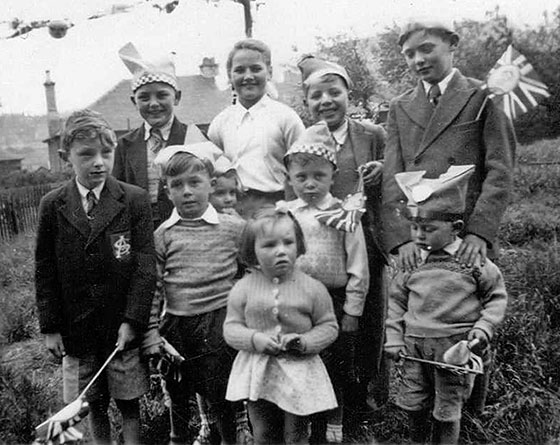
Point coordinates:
[[241, 111], [442, 84], [84, 190], [341, 133], [451, 248], [210, 216], [324, 204], [165, 130]]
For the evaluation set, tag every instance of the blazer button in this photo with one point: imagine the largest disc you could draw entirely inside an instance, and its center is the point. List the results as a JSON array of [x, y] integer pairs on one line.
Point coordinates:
[[451, 160]]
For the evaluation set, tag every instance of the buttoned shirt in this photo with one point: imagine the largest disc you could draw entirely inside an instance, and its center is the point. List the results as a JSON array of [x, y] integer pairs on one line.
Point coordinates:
[[442, 84], [340, 134]]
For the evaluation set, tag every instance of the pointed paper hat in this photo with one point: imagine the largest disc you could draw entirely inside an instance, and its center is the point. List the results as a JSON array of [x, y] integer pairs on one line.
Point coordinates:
[[313, 68], [316, 140], [442, 198], [195, 144], [146, 71]]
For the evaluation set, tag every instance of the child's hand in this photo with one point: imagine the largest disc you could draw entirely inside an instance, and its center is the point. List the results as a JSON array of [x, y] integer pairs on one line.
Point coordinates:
[[292, 343], [349, 323], [409, 257], [266, 344], [55, 345], [394, 352], [472, 248], [372, 172], [126, 335], [483, 341]]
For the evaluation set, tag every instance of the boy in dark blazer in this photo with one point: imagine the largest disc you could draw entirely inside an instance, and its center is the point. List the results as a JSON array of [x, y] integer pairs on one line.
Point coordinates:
[[95, 275], [155, 94], [446, 120]]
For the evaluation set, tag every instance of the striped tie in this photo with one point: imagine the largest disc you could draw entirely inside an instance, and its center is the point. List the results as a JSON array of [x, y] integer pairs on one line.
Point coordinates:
[[91, 203]]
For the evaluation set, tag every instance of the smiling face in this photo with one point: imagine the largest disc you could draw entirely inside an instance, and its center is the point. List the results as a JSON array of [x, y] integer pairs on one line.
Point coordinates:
[[276, 248], [432, 235], [224, 195], [248, 75], [311, 180], [429, 56], [189, 191], [155, 102], [92, 161], [327, 100]]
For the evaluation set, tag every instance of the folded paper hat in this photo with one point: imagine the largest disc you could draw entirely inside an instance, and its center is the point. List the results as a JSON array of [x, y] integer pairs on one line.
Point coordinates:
[[442, 198], [195, 144], [423, 23], [146, 71], [223, 165], [316, 140], [313, 68]]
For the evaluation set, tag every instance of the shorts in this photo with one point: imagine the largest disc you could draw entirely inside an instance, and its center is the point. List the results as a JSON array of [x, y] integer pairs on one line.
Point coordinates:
[[423, 385], [124, 378], [208, 358]]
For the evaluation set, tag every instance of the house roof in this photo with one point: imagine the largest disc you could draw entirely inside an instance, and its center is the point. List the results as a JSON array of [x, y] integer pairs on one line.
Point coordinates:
[[201, 100]]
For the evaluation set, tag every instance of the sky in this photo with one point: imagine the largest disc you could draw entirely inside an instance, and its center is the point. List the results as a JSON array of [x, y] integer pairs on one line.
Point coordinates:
[[85, 65]]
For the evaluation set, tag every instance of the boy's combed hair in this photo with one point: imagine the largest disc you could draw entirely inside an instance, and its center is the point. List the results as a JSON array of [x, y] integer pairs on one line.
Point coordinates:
[[444, 34], [252, 44], [86, 124], [304, 158], [186, 162], [263, 218], [325, 78]]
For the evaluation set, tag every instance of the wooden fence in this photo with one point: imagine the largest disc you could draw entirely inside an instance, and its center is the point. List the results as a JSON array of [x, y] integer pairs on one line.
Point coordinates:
[[19, 208]]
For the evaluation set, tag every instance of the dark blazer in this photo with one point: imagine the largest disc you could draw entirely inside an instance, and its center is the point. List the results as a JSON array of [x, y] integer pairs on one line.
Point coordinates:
[[131, 162], [91, 276], [465, 128]]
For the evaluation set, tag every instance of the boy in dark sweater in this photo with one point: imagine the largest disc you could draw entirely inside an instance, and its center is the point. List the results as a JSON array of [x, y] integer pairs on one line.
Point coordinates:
[[439, 304]]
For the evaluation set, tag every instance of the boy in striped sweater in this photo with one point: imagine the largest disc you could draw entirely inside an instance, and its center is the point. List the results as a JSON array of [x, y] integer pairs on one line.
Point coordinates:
[[439, 304]]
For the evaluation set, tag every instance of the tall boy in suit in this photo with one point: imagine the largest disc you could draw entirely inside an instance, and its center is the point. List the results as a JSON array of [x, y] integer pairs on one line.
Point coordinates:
[[446, 120], [95, 274], [155, 94]]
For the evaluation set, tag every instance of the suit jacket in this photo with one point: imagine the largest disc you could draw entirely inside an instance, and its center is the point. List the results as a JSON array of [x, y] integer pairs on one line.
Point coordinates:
[[92, 275], [131, 162], [465, 128]]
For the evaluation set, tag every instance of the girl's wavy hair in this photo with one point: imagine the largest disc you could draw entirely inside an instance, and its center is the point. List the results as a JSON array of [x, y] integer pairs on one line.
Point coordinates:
[[254, 45], [266, 217]]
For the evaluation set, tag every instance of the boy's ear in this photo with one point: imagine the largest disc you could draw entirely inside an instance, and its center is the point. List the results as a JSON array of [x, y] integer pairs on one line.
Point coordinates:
[[177, 98], [454, 42], [458, 225]]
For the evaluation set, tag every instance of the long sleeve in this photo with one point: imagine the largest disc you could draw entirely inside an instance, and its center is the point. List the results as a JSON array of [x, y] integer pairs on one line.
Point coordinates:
[[236, 332], [493, 296], [358, 272], [398, 305]]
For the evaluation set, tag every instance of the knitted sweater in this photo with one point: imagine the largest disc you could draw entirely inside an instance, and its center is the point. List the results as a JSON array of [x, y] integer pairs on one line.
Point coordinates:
[[441, 299], [300, 304], [196, 263]]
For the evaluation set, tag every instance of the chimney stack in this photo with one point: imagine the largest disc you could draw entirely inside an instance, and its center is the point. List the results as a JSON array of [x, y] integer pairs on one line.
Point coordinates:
[[53, 119]]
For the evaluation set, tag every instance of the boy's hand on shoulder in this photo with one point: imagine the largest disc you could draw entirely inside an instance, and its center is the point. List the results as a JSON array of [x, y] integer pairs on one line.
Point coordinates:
[[126, 335], [54, 344], [266, 344], [482, 341], [372, 172], [394, 352], [409, 257], [471, 248], [349, 323]]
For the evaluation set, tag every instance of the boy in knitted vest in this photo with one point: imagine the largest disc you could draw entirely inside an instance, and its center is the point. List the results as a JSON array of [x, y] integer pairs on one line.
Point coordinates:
[[439, 304], [336, 257], [196, 251]]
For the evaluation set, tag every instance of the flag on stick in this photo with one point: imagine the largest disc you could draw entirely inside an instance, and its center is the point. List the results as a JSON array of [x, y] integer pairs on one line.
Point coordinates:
[[514, 85]]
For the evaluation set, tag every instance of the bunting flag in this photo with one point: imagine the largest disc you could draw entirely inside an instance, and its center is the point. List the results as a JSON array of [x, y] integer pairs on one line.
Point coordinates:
[[514, 85], [345, 216]]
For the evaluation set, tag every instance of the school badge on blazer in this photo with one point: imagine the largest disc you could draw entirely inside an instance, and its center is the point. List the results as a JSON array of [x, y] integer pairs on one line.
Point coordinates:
[[120, 245]]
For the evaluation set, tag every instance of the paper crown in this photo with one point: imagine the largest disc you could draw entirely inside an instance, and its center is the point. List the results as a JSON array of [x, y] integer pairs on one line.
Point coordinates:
[[146, 71], [313, 68], [195, 144], [423, 23], [316, 140], [442, 198]]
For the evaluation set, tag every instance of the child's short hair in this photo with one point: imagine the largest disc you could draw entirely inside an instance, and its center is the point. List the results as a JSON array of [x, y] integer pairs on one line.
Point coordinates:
[[182, 162], [263, 218], [86, 124], [305, 158], [252, 44]]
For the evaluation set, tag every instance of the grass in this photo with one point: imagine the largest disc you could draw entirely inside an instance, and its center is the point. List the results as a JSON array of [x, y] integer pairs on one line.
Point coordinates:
[[523, 405]]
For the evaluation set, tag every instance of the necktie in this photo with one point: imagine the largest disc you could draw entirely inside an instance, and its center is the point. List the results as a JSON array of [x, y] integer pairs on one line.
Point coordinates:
[[157, 140], [91, 203], [434, 94]]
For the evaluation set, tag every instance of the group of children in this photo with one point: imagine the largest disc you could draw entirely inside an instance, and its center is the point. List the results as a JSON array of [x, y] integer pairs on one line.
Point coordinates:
[[276, 308]]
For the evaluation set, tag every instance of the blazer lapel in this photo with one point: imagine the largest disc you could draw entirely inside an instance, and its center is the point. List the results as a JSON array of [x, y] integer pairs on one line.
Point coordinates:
[[72, 209], [418, 109], [110, 205], [177, 133], [451, 103], [360, 142], [137, 156]]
